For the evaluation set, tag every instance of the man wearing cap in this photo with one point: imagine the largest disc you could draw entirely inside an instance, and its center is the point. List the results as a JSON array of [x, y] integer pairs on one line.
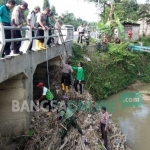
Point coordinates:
[[5, 20], [31, 21], [66, 114], [17, 20], [104, 120], [46, 95]]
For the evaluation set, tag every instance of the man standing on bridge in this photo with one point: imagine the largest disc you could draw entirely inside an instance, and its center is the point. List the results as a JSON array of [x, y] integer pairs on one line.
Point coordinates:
[[17, 20], [42, 23], [31, 21], [5, 20]]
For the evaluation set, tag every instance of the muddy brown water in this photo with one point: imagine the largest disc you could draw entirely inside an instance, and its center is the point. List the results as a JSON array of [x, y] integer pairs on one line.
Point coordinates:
[[133, 121]]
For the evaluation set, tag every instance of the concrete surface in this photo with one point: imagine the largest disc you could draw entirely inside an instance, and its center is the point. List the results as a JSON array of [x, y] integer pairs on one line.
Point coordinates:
[[16, 83]]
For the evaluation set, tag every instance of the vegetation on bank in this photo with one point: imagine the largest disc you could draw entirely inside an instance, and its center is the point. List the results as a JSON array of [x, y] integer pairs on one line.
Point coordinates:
[[110, 72]]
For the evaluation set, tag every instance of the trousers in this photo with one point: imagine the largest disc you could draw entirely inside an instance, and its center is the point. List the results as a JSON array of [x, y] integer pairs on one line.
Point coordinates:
[[7, 36], [76, 82], [104, 135]]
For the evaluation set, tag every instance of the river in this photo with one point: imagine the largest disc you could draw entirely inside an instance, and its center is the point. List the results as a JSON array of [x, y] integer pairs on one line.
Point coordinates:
[[133, 121]]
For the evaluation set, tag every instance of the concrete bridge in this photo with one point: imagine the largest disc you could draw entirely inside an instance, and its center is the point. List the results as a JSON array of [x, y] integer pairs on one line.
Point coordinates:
[[17, 74]]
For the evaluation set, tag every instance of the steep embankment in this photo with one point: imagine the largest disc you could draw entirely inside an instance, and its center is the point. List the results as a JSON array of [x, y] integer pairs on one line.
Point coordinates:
[[44, 132]]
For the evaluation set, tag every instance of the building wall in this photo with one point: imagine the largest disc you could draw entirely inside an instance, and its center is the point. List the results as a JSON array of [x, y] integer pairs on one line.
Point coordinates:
[[144, 27]]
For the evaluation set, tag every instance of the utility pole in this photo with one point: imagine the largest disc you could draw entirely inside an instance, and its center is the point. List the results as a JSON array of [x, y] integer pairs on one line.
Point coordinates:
[[98, 11]]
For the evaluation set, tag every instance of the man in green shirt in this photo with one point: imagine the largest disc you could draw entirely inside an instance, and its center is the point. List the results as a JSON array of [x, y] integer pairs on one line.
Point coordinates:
[[5, 21], [79, 78], [46, 95], [66, 114]]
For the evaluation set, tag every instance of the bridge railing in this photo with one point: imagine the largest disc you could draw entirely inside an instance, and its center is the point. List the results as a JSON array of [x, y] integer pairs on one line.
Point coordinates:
[[67, 32]]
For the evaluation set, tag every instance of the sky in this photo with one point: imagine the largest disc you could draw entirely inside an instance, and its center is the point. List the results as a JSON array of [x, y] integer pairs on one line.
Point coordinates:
[[86, 11]]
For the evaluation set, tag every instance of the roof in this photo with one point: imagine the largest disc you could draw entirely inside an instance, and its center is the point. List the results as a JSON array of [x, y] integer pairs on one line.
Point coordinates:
[[130, 23]]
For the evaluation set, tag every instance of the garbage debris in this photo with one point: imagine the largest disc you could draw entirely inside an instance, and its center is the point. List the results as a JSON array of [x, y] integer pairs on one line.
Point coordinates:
[[46, 134], [87, 58], [46, 130]]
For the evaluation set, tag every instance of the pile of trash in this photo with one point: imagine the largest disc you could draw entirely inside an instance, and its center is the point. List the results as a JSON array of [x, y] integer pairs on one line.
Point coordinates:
[[46, 135], [46, 130]]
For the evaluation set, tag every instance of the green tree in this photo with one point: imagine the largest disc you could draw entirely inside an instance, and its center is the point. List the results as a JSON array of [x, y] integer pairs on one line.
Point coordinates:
[[46, 4], [70, 19], [124, 9], [51, 19]]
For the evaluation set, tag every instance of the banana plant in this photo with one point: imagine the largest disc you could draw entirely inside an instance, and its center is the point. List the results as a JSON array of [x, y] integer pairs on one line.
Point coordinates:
[[109, 27]]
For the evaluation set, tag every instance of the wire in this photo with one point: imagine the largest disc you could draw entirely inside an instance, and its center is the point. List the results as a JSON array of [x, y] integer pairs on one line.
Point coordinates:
[[47, 68]]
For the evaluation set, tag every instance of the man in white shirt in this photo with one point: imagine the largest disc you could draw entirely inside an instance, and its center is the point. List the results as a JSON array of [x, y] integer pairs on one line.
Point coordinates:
[[80, 30], [45, 95], [31, 21]]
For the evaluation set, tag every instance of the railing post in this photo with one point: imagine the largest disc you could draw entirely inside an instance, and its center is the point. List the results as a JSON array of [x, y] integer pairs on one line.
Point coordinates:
[[26, 44], [2, 40], [46, 34]]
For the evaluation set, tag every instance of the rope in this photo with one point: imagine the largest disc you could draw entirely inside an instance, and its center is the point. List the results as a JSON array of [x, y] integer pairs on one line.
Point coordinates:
[[47, 68]]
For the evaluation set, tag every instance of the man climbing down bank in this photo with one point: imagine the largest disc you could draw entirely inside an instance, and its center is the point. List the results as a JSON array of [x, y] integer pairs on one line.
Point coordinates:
[[79, 78], [47, 95], [67, 116], [66, 70]]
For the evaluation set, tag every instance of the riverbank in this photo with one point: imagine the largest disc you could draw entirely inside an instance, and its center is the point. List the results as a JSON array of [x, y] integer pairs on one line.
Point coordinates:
[[113, 71], [136, 87]]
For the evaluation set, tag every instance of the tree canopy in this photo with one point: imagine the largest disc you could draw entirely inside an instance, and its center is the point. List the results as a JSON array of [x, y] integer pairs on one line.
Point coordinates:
[[46, 4]]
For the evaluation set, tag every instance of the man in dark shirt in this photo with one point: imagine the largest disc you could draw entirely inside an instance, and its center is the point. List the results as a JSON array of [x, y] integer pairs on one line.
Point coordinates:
[[5, 20], [17, 20]]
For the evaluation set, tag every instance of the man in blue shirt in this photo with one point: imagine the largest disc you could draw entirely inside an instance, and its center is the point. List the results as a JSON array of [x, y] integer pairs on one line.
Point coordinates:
[[5, 21]]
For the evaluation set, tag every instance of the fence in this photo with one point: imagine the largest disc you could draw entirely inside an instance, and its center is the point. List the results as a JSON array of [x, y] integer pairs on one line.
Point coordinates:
[[67, 32]]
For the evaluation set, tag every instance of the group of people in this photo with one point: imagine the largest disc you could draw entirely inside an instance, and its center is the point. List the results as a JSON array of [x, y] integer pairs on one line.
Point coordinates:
[[65, 113], [34, 19]]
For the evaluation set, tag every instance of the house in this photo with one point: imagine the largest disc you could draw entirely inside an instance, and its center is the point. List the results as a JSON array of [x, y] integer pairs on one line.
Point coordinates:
[[144, 27], [135, 27]]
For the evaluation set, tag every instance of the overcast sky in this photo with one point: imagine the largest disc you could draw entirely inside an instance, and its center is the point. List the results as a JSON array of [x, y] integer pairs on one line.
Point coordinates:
[[84, 10]]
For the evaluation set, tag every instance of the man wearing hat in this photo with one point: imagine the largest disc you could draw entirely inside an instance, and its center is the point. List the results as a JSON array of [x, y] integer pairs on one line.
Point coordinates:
[[45, 95], [17, 20], [31, 20], [104, 120]]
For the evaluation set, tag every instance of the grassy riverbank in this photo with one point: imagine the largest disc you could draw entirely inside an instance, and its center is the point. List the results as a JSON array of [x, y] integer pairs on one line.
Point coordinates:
[[110, 72]]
